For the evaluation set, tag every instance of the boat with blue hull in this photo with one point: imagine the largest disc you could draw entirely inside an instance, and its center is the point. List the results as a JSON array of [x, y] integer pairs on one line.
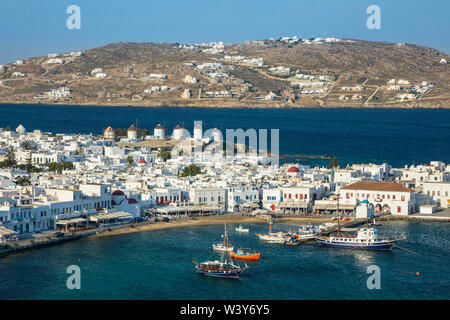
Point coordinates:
[[225, 268], [364, 239]]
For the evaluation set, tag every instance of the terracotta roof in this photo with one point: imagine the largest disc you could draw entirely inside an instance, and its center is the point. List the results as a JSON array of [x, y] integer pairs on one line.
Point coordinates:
[[378, 186], [293, 169], [159, 126], [132, 128], [109, 129]]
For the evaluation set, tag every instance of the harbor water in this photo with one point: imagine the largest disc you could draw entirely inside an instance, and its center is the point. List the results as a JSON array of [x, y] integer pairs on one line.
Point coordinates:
[[158, 265]]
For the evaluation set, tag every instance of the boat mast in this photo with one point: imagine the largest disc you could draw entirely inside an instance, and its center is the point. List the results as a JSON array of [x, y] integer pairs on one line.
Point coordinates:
[[226, 245], [270, 225], [367, 216], [339, 218]]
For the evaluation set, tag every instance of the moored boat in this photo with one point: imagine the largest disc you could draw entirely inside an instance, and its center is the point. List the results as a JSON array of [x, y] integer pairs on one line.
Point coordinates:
[[245, 255], [225, 268], [364, 239], [221, 247], [241, 229]]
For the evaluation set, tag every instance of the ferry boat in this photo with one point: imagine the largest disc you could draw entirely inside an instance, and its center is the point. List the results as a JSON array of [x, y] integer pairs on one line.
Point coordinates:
[[245, 255], [225, 268], [241, 229], [364, 239]]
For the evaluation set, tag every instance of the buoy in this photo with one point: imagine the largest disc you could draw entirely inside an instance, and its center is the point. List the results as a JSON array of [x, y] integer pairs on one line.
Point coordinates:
[[417, 273]]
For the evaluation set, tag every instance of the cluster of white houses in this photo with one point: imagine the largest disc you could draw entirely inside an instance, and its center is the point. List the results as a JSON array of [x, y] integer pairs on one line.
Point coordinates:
[[104, 187]]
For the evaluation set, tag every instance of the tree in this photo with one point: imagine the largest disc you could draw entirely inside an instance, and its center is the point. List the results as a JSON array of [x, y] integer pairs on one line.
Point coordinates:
[[22, 181], [164, 154], [190, 171], [59, 167], [26, 145], [29, 164], [130, 160], [334, 163], [11, 158]]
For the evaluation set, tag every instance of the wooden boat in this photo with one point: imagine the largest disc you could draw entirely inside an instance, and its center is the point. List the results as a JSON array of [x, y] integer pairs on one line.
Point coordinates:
[[225, 268], [271, 237], [221, 247], [245, 255]]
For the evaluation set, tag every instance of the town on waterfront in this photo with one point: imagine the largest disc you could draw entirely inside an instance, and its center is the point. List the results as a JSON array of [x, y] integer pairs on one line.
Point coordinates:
[[56, 187]]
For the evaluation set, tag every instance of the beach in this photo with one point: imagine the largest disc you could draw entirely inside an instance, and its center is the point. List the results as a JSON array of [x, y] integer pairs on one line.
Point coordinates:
[[204, 221]]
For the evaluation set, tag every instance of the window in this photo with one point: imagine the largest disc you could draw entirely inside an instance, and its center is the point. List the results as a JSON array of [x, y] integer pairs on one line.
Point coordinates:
[[399, 209]]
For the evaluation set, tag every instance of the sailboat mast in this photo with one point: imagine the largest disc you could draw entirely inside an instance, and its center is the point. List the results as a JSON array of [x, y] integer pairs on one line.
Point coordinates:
[[339, 218], [226, 245], [367, 216]]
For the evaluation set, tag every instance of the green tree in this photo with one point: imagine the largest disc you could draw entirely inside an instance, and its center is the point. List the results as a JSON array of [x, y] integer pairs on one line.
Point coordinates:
[[22, 181], [164, 154], [334, 163], [26, 145], [130, 160], [190, 171], [29, 164], [11, 158]]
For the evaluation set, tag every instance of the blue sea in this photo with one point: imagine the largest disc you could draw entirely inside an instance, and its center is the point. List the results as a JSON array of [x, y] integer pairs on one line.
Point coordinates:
[[158, 265], [396, 136]]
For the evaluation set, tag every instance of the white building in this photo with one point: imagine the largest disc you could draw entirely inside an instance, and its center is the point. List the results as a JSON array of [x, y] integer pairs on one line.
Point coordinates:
[[387, 197]]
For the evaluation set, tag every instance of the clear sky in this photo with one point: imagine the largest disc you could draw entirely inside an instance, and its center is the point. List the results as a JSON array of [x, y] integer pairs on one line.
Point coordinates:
[[37, 27]]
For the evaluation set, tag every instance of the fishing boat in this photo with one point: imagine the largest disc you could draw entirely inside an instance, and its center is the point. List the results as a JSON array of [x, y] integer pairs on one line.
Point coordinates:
[[224, 268], [364, 239], [241, 229], [221, 247], [278, 237], [245, 255]]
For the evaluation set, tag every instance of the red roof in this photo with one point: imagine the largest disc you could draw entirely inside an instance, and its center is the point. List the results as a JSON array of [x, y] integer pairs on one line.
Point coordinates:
[[142, 161], [377, 186], [293, 169], [132, 201], [118, 193]]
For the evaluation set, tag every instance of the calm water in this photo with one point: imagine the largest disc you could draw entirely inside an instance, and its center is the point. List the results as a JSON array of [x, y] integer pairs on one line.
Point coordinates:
[[158, 265], [353, 135]]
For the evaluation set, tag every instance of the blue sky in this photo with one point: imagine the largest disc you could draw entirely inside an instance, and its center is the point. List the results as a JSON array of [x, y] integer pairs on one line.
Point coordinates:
[[36, 27]]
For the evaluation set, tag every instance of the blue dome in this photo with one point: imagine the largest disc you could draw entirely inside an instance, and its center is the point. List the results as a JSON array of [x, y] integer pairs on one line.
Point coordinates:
[[364, 201]]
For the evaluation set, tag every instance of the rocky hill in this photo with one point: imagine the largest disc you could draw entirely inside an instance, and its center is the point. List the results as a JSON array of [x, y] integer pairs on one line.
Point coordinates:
[[264, 73]]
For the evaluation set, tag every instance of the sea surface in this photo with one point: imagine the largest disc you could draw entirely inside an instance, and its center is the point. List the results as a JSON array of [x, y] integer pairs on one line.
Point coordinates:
[[397, 136], [158, 265]]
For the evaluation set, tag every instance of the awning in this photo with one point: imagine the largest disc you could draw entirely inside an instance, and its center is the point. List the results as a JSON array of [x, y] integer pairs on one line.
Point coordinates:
[[250, 205], [260, 211], [6, 232], [294, 204], [70, 221], [110, 216], [333, 206]]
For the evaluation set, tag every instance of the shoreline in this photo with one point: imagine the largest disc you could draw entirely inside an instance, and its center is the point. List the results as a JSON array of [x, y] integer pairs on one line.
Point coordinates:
[[205, 221], [213, 106]]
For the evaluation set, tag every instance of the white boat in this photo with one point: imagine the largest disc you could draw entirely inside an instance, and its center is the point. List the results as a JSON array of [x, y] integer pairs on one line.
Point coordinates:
[[221, 247], [271, 237], [241, 229]]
